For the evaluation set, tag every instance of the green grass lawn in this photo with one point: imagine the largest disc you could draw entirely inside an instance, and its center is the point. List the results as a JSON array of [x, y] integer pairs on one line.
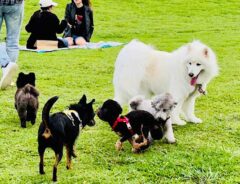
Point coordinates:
[[204, 153]]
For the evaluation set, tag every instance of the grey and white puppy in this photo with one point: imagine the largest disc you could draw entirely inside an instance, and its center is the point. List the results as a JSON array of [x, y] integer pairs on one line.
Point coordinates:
[[160, 107]]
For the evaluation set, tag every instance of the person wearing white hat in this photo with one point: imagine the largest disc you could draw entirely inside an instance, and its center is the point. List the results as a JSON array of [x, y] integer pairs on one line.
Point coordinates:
[[47, 3], [44, 25]]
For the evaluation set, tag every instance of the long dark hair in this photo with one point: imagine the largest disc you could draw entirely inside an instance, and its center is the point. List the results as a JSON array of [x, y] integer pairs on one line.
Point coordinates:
[[86, 3]]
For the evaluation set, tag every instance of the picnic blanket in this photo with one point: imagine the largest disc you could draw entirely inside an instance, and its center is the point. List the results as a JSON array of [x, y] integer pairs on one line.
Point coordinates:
[[90, 45]]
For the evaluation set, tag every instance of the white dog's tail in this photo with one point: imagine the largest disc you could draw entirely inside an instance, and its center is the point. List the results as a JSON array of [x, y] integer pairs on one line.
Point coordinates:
[[135, 102]]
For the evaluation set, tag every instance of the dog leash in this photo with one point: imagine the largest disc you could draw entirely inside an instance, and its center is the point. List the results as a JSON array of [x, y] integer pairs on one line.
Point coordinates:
[[198, 87], [68, 113]]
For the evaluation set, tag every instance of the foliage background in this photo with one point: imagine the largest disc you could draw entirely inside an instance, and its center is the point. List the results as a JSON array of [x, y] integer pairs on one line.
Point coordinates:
[[204, 153]]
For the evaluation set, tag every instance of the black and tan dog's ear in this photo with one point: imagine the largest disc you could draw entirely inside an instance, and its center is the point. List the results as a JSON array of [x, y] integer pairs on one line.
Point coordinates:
[[83, 100], [90, 103]]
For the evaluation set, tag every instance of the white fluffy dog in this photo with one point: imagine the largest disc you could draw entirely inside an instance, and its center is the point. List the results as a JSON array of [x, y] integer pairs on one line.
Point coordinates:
[[160, 107], [184, 73]]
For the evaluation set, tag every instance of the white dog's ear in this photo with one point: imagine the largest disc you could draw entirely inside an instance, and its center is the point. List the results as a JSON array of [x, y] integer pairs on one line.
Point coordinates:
[[205, 52], [168, 95], [155, 104], [152, 104], [174, 105]]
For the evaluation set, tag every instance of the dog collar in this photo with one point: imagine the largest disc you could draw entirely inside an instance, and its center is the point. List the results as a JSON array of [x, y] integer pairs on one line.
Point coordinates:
[[125, 120], [68, 113]]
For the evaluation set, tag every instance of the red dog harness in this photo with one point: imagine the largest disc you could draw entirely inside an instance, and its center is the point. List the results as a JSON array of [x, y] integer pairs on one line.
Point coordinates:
[[123, 120]]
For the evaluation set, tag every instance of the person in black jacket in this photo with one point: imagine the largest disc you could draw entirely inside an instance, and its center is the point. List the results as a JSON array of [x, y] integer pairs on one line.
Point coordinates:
[[79, 17], [44, 25]]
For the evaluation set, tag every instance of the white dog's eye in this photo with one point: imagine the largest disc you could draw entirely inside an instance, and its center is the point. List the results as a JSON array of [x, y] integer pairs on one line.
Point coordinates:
[[198, 64], [189, 63]]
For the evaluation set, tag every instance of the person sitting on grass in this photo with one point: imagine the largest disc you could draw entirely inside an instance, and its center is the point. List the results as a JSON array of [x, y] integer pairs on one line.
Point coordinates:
[[44, 25], [80, 27]]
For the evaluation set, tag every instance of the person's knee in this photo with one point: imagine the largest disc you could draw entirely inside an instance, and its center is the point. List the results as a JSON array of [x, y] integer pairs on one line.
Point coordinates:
[[70, 41], [80, 41]]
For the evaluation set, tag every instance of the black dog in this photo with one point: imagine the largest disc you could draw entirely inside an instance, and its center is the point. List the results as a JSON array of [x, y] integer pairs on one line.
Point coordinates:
[[134, 123], [26, 98], [61, 129]]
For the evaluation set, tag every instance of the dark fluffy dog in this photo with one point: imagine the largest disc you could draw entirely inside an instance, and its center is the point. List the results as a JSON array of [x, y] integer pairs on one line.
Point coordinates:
[[134, 123], [26, 98], [62, 129]]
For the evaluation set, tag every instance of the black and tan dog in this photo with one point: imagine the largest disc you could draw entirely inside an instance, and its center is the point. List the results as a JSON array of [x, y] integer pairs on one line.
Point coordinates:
[[62, 129], [138, 123], [26, 98]]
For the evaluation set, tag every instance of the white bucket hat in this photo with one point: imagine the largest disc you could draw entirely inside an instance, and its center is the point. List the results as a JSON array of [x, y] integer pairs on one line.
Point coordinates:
[[47, 3]]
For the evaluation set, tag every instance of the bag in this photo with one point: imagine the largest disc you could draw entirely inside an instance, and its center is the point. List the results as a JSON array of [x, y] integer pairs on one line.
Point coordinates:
[[46, 44], [67, 32]]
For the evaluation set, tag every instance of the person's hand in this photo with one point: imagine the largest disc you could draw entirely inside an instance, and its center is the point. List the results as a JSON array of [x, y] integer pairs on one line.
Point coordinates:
[[64, 23], [69, 25]]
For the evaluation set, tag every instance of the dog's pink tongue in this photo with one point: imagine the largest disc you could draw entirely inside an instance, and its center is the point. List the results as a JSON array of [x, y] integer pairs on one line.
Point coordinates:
[[194, 81]]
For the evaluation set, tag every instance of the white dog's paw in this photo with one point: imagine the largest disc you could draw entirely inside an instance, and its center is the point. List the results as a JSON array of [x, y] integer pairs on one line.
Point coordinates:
[[195, 120], [179, 122], [171, 140], [169, 136]]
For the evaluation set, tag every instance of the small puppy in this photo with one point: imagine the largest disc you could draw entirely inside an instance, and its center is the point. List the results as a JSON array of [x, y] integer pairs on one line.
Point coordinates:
[[134, 123], [160, 107], [62, 129], [26, 98]]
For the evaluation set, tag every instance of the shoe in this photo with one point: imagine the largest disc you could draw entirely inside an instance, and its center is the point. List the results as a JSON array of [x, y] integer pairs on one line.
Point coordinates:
[[13, 84], [8, 72]]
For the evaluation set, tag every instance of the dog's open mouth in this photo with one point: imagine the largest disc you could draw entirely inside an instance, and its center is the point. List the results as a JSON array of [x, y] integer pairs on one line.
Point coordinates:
[[194, 80]]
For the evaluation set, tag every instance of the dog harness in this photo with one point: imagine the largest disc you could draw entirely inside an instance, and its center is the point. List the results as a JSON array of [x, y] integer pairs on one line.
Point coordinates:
[[123, 120], [68, 113]]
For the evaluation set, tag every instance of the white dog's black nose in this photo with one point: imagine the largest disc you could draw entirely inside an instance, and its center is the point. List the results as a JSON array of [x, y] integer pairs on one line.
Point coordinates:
[[191, 74]]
